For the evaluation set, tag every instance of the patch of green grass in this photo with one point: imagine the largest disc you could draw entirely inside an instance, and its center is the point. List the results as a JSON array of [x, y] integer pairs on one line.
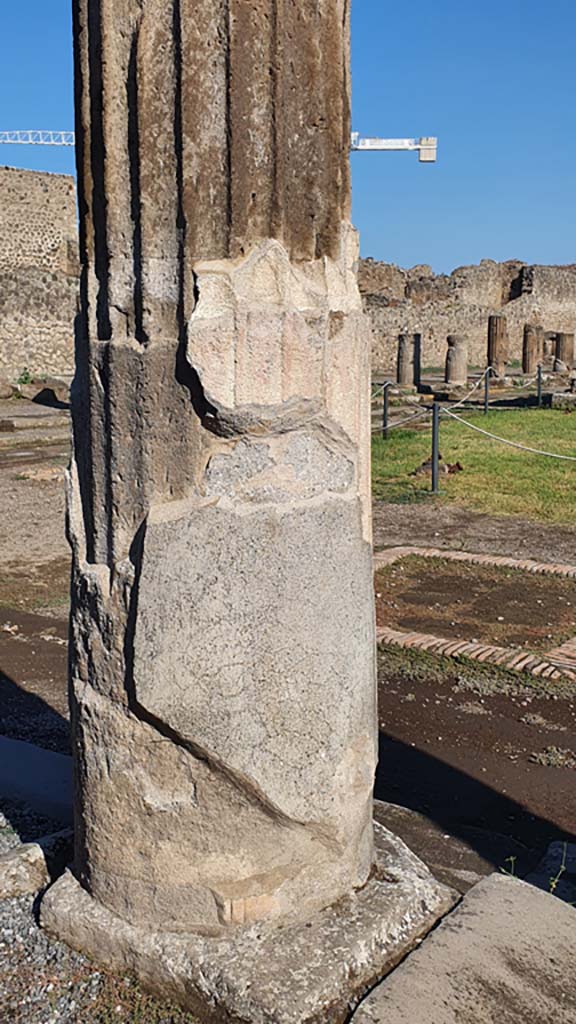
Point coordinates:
[[496, 479]]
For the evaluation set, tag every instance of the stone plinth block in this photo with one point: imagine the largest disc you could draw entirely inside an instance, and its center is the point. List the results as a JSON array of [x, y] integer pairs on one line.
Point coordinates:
[[564, 400], [313, 971], [505, 954], [456, 360]]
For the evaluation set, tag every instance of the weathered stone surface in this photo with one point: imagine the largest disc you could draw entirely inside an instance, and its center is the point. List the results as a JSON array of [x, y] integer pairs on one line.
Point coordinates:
[[38, 272], [453, 860], [503, 955], [532, 348], [498, 345], [22, 870], [564, 358], [30, 866], [222, 670], [456, 360], [398, 300], [308, 973], [405, 364]]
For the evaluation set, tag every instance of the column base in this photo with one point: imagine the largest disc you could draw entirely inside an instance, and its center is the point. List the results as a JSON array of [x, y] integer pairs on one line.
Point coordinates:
[[314, 972]]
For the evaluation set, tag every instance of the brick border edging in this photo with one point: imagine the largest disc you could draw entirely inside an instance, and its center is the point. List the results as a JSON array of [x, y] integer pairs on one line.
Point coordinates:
[[391, 555], [559, 663]]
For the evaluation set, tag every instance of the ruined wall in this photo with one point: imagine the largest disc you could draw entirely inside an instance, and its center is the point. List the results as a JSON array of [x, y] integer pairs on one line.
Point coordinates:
[[38, 272], [418, 301]]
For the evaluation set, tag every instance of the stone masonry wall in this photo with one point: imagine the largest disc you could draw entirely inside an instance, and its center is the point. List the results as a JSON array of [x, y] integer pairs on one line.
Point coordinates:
[[39, 286], [38, 272], [419, 301]]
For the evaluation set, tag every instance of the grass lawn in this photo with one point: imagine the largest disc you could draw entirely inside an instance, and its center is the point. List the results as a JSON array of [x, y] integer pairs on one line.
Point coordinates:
[[497, 479]]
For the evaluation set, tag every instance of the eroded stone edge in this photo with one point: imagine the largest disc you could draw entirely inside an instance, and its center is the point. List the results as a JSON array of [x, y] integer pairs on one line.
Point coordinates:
[[313, 973]]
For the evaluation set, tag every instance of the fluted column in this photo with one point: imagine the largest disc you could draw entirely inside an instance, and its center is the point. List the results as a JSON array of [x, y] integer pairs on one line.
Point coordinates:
[[222, 670]]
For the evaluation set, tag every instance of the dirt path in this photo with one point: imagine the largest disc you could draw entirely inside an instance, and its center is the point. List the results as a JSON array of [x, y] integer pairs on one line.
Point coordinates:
[[477, 763], [32, 459], [435, 526]]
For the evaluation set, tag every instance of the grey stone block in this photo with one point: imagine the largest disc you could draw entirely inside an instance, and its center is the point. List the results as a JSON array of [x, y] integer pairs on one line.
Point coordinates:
[[30, 866], [564, 400], [506, 955]]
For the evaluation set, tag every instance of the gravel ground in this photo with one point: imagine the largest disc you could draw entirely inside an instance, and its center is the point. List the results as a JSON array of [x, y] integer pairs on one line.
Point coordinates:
[[19, 824], [43, 982]]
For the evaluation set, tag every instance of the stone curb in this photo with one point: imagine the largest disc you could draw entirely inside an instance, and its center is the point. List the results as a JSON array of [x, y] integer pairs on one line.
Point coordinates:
[[558, 663]]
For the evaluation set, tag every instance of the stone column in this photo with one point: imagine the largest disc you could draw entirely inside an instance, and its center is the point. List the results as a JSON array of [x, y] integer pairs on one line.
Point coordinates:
[[497, 344], [222, 664], [457, 360], [564, 357], [417, 360], [532, 348], [405, 361]]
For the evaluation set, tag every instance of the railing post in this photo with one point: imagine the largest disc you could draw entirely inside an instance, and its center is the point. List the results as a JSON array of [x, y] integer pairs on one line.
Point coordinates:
[[385, 411], [435, 446]]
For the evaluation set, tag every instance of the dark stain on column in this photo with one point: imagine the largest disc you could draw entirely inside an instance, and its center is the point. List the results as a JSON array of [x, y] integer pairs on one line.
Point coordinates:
[[135, 193], [98, 159]]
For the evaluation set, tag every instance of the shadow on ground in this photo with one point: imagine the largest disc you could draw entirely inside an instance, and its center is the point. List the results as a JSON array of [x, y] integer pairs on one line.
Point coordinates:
[[489, 822]]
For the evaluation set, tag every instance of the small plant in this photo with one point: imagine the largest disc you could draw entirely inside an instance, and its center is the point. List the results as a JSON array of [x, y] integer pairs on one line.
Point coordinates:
[[556, 878], [555, 757], [512, 869], [25, 377]]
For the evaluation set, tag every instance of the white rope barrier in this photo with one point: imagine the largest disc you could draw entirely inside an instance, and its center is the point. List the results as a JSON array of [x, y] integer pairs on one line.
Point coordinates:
[[400, 423], [504, 440], [528, 384], [475, 388], [380, 389]]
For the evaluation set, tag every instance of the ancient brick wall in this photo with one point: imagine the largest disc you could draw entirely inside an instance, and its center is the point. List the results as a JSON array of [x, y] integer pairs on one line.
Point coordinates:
[[419, 301], [38, 272]]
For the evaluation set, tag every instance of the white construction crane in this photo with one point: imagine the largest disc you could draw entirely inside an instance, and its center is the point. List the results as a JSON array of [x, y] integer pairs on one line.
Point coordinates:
[[37, 138], [426, 147]]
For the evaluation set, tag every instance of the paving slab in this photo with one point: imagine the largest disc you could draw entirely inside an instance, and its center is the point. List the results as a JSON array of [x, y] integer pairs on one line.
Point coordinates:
[[506, 954], [454, 859]]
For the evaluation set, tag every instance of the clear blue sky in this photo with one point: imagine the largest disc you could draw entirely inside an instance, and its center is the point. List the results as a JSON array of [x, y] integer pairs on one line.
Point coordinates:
[[496, 82]]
